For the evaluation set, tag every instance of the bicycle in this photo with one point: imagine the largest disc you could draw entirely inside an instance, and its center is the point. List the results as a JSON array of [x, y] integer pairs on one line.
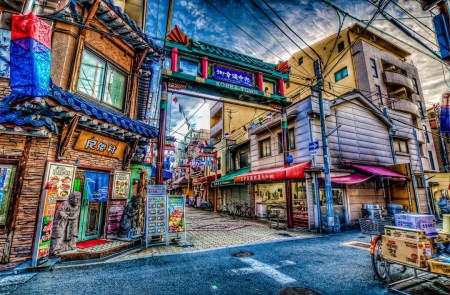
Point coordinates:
[[223, 209], [247, 211]]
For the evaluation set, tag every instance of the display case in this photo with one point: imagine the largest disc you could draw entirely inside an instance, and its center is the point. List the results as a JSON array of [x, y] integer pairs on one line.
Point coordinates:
[[299, 204]]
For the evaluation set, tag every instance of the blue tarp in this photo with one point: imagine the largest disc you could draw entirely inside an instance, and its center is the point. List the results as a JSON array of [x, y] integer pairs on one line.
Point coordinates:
[[96, 186], [166, 174]]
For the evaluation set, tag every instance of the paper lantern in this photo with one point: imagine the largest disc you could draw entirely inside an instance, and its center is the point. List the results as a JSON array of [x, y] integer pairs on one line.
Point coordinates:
[[30, 26], [30, 68]]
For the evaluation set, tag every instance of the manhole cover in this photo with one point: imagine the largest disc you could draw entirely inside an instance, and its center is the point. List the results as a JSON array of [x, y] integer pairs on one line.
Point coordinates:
[[242, 254], [361, 237], [284, 235], [299, 291]]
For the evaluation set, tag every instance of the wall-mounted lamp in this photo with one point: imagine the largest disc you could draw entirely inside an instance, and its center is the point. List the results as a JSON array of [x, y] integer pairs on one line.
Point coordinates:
[[139, 171], [77, 162]]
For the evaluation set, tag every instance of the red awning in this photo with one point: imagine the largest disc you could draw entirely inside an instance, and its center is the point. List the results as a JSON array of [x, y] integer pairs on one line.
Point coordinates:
[[378, 170], [280, 173], [350, 179], [206, 179], [297, 171]]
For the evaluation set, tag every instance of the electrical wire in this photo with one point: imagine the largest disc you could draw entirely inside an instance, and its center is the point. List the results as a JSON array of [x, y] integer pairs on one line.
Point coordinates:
[[187, 119]]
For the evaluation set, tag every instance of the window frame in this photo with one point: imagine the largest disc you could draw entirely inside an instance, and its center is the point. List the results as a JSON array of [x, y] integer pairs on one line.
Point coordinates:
[[416, 86], [422, 114], [280, 140], [260, 148], [373, 66], [398, 140], [425, 130], [430, 158], [341, 71], [247, 163], [108, 64], [300, 61], [339, 46], [273, 82], [380, 95]]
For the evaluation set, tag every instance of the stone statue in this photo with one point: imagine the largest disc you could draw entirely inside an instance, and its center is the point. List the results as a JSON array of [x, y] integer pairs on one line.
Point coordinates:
[[142, 190], [127, 221], [65, 225]]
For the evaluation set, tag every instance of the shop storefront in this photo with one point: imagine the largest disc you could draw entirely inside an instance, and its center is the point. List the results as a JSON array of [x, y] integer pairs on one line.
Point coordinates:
[[268, 188], [229, 191]]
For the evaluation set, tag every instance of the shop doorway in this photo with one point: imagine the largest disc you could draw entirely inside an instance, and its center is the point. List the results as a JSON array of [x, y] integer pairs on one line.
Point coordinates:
[[91, 212], [7, 174]]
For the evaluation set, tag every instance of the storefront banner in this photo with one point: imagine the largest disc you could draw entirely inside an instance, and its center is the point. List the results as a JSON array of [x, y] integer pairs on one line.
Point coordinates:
[[156, 190], [60, 177], [233, 76], [43, 237], [175, 214], [101, 145], [121, 185], [96, 186]]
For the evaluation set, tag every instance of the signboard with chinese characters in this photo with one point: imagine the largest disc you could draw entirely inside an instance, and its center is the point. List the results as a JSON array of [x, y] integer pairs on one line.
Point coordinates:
[[43, 236], [101, 145], [121, 185], [60, 177], [233, 76]]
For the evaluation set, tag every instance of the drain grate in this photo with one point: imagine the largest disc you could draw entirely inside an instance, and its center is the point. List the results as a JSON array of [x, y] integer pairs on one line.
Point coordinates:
[[359, 245], [299, 291], [285, 235], [242, 254]]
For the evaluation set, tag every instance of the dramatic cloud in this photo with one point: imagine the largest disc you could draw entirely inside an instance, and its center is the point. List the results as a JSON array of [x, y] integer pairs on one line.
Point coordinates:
[[312, 20]]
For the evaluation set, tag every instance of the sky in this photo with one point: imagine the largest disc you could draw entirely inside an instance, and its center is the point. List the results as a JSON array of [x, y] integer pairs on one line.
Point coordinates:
[[312, 20]]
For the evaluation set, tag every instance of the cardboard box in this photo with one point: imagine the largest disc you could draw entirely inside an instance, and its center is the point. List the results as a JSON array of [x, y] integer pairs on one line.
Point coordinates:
[[443, 236], [439, 267], [417, 221], [410, 252], [405, 233]]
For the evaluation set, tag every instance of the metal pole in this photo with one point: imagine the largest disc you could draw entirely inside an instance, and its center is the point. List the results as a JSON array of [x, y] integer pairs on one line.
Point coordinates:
[[287, 182], [326, 163], [316, 178], [169, 17], [162, 134]]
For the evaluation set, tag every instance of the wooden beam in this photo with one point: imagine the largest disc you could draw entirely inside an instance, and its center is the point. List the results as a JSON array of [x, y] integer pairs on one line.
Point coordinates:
[[66, 137], [129, 151], [133, 93]]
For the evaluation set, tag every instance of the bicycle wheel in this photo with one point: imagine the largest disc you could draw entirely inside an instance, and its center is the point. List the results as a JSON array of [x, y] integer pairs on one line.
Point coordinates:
[[379, 265], [249, 213]]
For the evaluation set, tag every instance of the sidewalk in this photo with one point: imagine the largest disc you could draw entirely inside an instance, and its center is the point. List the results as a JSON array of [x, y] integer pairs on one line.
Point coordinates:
[[209, 230]]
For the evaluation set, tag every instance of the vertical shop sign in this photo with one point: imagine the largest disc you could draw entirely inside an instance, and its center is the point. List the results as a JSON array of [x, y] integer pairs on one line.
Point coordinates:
[[121, 185], [43, 238], [60, 177], [156, 222], [175, 214]]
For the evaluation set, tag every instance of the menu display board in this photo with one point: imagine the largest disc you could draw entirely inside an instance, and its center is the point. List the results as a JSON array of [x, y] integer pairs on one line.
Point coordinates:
[[60, 177], [121, 185], [175, 214], [156, 222], [45, 226]]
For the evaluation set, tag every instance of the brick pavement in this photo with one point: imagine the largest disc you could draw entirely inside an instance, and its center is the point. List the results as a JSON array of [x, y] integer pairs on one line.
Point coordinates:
[[208, 230]]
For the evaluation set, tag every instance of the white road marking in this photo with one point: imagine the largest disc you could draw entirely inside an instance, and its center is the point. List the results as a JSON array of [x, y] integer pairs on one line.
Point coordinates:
[[256, 266]]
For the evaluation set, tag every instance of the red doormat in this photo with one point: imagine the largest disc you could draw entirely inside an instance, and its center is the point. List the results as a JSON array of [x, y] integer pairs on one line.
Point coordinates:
[[91, 243]]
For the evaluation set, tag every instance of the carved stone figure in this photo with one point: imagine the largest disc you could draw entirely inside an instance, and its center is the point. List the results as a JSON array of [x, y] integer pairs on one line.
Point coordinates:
[[65, 225], [127, 221], [142, 190]]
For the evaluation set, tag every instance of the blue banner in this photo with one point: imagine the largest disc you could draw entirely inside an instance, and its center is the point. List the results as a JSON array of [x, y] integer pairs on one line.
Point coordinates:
[[96, 186], [233, 76]]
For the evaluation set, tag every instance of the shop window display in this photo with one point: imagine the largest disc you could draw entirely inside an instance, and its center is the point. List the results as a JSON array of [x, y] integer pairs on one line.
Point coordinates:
[[299, 204]]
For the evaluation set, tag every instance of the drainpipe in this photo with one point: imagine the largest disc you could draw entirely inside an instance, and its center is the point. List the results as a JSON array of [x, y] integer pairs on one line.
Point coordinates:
[[27, 7], [424, 180], [391, 138]]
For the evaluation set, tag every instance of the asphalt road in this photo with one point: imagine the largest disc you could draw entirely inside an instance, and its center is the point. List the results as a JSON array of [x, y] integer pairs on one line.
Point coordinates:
[[322, 264]]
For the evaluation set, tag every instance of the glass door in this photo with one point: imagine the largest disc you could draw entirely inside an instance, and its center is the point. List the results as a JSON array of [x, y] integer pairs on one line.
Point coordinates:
[[91, 212]]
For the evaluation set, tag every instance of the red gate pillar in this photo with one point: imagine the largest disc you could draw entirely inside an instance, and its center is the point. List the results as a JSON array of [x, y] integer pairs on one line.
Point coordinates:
[[162, 133]]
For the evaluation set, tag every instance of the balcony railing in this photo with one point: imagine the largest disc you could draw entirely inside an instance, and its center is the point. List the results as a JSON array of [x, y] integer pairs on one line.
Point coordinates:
[[403, 105], [396, 79], [420, 136], [215, 108], [216, 128]]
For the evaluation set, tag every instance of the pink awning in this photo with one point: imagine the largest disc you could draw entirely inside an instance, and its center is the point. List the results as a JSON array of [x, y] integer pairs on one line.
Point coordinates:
[[378, 170], [350, 179]]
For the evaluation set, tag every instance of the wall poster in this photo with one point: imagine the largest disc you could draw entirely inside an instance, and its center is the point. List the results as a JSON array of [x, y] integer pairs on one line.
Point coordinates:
[[175, 214], [60, 177], [121, 185]]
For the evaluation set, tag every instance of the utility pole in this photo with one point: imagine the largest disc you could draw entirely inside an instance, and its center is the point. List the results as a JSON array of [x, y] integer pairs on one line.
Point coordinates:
[[288, 182], [163, 114], [437, 112], [326, 161]]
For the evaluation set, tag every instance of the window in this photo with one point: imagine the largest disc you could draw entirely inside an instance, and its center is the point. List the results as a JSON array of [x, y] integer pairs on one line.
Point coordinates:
[[419, 181], [380, 97], [167, 63], [188, 67], [316, 68], [101, 80], [401, 145], [419, 103], [291, 140], [300, 60], [416, 87], [341, 74], [374, 68], [7, 173], [270, 86], [430, 158], [219, 161], [243, 160], [341, 46], [425, 130], [264, 148]]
